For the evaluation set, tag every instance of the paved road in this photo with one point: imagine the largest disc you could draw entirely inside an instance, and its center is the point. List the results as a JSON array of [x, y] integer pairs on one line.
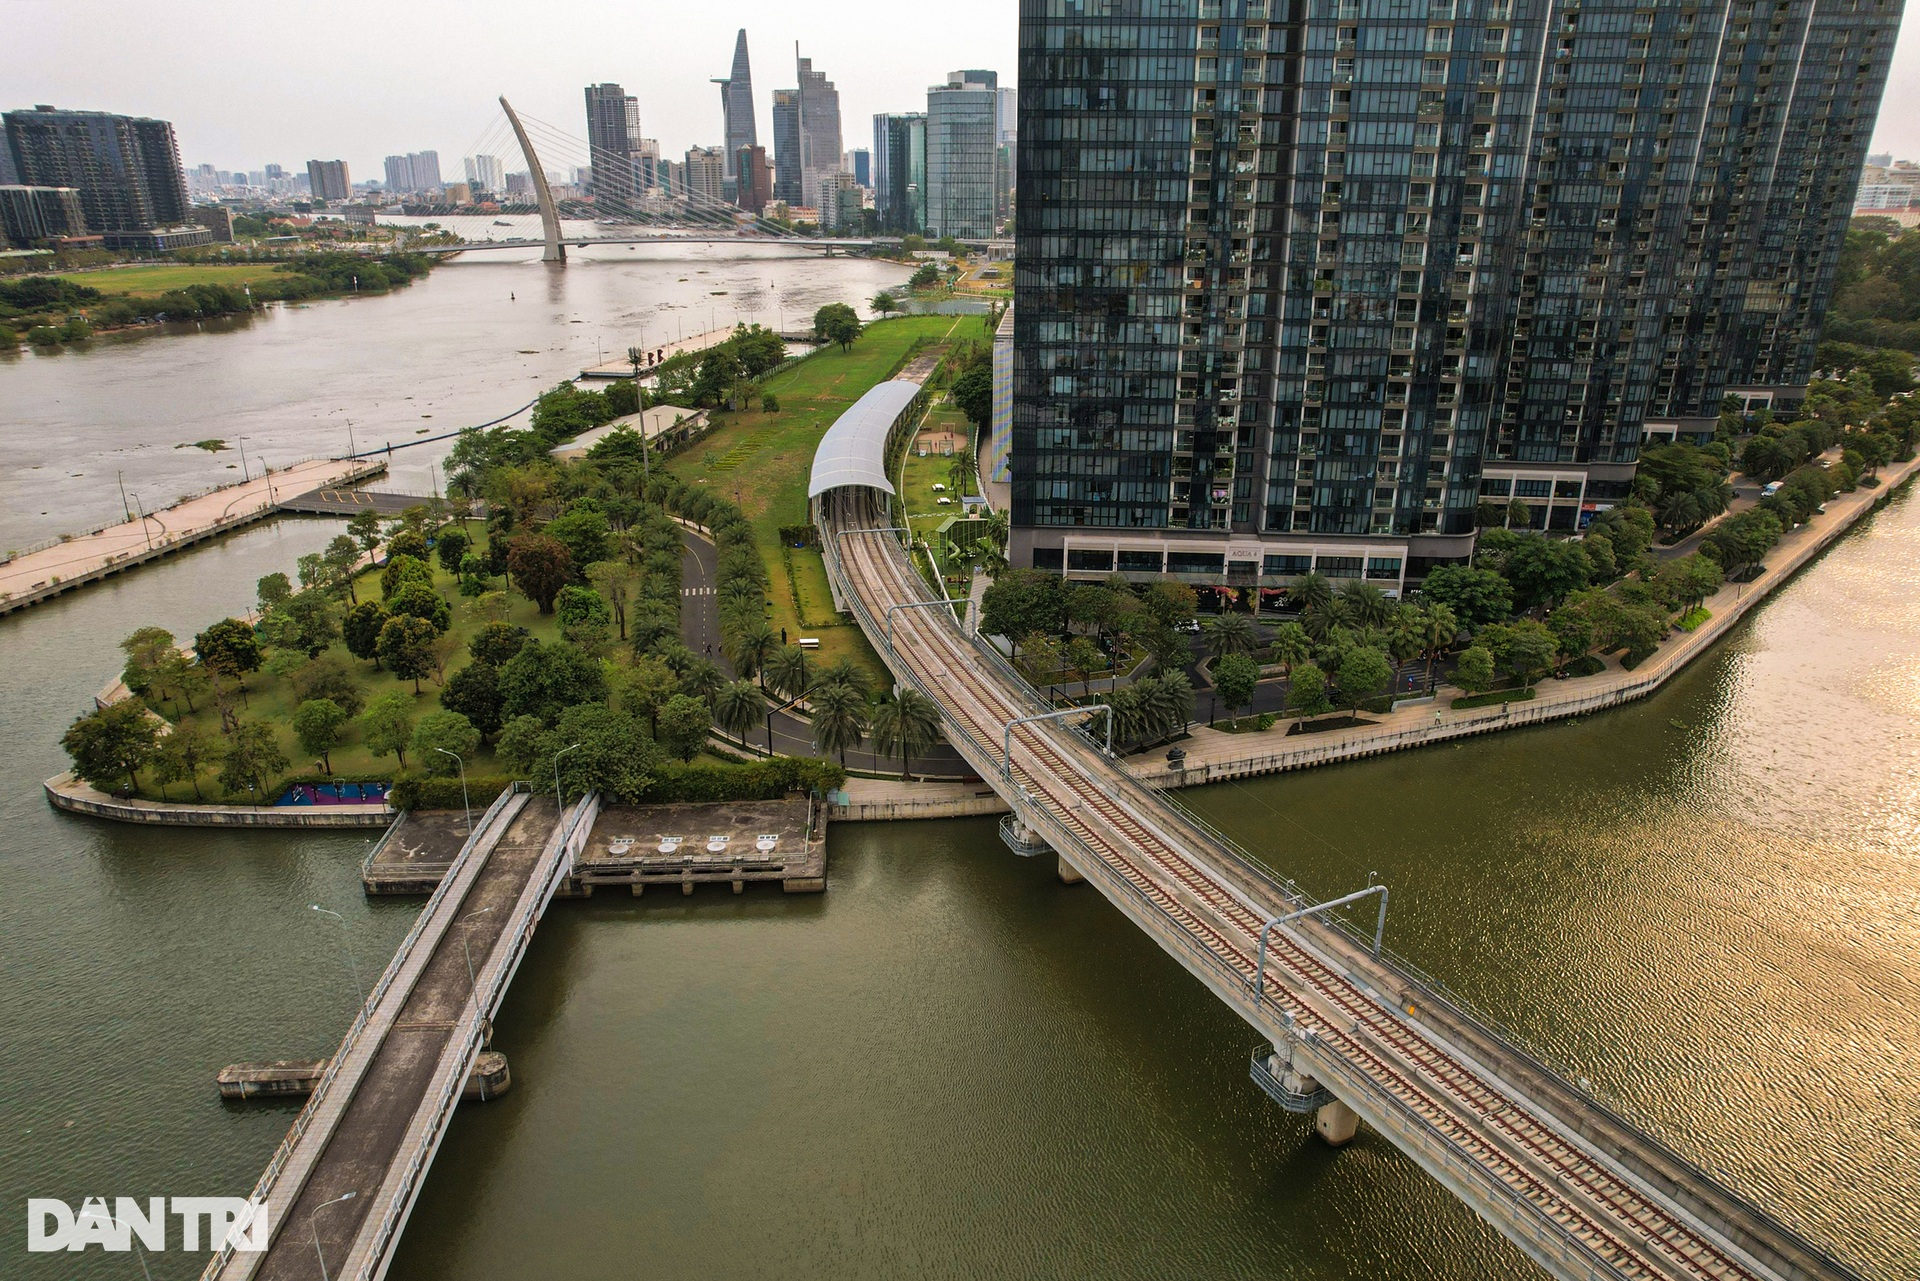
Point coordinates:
[[792, 736]]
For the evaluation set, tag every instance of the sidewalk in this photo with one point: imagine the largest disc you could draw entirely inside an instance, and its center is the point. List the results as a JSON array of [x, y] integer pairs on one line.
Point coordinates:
[[29, 579]]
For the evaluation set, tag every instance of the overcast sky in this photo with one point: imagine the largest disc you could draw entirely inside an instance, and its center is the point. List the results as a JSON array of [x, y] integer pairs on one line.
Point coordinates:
[[288, 80]]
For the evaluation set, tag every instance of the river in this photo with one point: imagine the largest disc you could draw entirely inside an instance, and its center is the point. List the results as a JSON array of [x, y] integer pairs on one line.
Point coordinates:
[[949, 1064]]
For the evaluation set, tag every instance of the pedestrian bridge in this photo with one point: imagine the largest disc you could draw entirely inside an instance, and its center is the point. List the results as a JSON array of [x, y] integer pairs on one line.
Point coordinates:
[[1348, 1033], [342, 1183]]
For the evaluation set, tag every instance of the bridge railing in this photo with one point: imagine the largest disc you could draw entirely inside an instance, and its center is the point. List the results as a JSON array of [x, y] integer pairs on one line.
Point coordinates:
[[1697, 1167], [471, 1032], [263, 1187], [1442, 1153]]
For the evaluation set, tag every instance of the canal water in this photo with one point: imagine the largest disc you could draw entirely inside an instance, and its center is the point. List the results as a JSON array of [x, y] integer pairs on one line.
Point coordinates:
[[949, 1064]]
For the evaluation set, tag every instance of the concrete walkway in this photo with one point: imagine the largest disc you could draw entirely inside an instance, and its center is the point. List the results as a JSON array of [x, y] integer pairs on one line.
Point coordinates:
[[39, 575]]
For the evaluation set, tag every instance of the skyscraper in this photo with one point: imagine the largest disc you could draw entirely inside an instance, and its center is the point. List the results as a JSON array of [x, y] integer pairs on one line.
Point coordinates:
[[426, 169], [859, 164], [786, 145], [613, 141], [705, 176], [399, 171], [485, 175], [1322, 284], [819, 130], [755, 178], [899, 172], [961, 146], [736, 111], [329, 180], [126, 168]]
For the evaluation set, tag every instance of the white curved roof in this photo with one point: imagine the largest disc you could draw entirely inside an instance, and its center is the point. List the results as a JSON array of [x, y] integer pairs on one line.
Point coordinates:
[[854, 450]]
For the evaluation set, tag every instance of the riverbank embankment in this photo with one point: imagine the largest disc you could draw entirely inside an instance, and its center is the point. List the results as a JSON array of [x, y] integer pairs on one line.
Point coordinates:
[[49, 571], [1217, 756], [65, 792]]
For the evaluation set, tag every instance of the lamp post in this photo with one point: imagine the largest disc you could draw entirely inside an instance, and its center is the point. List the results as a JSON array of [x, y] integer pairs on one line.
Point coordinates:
[[558, 799], [347, 947], [314, 1230], [465, 803]]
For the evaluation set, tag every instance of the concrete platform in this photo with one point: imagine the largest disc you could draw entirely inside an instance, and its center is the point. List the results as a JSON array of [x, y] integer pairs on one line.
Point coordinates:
[[719, 844], [416, 852], [296, 1078]]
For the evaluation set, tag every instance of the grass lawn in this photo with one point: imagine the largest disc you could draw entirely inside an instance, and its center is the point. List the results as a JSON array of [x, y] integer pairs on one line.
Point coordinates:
[[915, 482], [270, 699], [161, 277], [762, 462]]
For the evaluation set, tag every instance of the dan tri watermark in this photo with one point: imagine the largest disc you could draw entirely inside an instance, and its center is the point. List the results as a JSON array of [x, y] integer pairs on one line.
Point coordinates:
[[218, 1221]]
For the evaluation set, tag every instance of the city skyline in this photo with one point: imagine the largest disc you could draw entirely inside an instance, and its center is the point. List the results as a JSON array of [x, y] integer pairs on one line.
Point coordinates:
[[388, 104]]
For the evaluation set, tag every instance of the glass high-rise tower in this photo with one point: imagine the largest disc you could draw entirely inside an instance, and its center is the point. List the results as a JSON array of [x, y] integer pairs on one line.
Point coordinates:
[[736, 113], [1299, 280]]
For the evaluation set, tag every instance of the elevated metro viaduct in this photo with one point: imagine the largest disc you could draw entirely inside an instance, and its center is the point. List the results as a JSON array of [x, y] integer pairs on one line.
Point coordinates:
[[1349, 1032]]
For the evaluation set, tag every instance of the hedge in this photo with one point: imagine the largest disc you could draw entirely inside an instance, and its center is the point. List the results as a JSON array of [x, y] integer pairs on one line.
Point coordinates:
[[431, 792], [767, 780]]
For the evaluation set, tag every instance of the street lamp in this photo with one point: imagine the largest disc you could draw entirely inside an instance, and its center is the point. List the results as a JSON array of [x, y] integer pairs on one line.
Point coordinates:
[[314, 1229], [347, 947], [558, 799], [467, 804]]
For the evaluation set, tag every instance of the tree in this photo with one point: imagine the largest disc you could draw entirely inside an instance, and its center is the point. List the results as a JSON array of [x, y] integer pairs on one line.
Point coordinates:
[[253, 755], [342, 557], [1474, 670], [839, 718], [544, 680], [684, 721], [495, 644], [1023, 602], [614, 581], [972, 394], [318, 723], [180, 756], [406, 647], [884, 302], [1440, 628], [1311, 593], [1168, 600], [312, 621], [230, 648], [364, 529], [740, 707], [749, 648], [786, 671], [1525, 649], [362, 630], [1370, 605], [645, 687], [1234, 677], [583, 531], [1476, 596], [148, 651], [1364, 672], [1229, 634], [1543, 570], [272, 591], [837, 323], [520, 742], [387, 726], [539, 566], [111, 744], [1518, 513], [451, 548], [1291, 645], [443, 730], [1307, 690], [906, 722], [407, 541], [401, 570], [474, 692]]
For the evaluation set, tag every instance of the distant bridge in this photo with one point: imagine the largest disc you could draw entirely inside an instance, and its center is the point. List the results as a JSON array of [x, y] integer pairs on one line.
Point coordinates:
[[564, 243]]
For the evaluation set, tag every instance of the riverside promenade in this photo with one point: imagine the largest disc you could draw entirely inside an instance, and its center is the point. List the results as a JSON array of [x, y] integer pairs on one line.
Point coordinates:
[[47, 572], [1216, 756]]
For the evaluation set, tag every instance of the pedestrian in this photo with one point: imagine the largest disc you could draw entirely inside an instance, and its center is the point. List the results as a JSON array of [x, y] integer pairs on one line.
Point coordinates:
[[783, 635]]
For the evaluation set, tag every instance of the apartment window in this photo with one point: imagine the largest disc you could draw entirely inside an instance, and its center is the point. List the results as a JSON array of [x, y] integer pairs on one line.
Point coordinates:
[[1047, 558], [1141, 562], [1090, 560], [1341, 566], [1383, 567], [1196, 563], [1287, 566]]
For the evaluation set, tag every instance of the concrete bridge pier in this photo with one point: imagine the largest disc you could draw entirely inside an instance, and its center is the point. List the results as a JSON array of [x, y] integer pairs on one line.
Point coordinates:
[[1069, 875], [1290, 1082]]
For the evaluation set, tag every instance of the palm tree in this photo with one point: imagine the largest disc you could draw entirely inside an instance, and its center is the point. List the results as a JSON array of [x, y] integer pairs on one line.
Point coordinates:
[[702, 680], [839, 718], [1230, 634], [749, 649], [1291, 645], [908, 722], [1371, 608], [1321, 620], [740, 706], [990, 557], [1442, 628], [786, 670], [844, 671], [1311, 592]]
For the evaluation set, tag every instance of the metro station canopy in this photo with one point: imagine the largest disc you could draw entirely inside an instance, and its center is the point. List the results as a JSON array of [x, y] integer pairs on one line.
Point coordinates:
[[854, 450]]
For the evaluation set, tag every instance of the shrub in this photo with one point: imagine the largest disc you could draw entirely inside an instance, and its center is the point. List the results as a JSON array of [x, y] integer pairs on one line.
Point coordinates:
[[419, 792]]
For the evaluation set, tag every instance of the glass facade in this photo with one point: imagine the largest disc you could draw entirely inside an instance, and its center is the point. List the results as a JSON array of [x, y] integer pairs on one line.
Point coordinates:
[[1301, 271], [961, 157], [899, 171]]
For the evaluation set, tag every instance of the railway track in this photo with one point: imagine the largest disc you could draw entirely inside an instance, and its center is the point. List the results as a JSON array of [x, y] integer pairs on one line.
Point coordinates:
[[1626, 1230]]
